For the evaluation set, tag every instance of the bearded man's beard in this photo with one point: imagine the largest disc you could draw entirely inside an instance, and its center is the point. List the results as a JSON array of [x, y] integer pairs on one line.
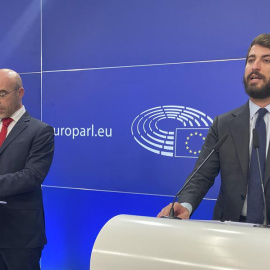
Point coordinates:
[[256, 92]]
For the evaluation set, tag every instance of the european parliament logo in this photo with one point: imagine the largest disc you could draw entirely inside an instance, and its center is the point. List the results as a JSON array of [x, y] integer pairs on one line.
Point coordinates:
[[173, 131]]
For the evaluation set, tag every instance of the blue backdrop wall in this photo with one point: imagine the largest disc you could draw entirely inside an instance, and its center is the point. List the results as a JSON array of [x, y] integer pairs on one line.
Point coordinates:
[[128, 86]]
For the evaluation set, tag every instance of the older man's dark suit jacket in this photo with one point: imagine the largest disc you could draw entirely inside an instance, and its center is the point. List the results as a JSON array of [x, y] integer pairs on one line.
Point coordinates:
[[233, 163], [25, 159]]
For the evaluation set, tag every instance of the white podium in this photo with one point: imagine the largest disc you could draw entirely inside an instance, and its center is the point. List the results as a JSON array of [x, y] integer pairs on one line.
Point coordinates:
[[135, 242]]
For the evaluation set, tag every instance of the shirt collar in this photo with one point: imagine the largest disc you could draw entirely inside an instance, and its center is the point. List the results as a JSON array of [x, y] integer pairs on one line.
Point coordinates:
[[253, 108], [18, 114]]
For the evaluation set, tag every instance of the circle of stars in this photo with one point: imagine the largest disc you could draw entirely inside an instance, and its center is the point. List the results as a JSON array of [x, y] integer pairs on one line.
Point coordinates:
[[187, 142]]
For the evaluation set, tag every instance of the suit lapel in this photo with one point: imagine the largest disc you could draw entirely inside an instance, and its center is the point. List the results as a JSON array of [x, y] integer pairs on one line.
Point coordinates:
[[240, 132], [239, 128], [16, 130]]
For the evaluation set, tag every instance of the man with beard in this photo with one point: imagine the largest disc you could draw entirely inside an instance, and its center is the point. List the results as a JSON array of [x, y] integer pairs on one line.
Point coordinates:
[[240, 196]]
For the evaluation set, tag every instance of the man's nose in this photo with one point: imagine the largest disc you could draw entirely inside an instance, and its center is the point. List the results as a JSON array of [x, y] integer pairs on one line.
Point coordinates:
[[256, 65]]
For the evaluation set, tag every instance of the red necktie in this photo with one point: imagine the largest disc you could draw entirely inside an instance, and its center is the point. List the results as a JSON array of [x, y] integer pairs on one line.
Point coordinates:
[[3, 133]]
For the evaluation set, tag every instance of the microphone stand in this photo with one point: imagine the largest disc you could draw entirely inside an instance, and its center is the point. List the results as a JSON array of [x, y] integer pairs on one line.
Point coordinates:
[[215, 149], [265, 220], [257, 146]]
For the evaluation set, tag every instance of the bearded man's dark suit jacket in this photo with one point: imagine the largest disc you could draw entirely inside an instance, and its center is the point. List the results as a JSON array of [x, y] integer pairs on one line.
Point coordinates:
[[25, 159], [233, 163]]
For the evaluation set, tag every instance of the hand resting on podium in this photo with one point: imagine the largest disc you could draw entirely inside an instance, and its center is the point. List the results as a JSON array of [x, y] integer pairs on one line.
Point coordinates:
[[179, 211]]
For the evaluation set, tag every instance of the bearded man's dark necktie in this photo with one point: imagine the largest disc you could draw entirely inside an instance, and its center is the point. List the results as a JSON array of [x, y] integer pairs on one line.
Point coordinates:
[[255, 203]]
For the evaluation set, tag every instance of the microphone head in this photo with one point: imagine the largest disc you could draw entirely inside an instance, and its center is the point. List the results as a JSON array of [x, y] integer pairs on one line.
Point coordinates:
[[255, 141]]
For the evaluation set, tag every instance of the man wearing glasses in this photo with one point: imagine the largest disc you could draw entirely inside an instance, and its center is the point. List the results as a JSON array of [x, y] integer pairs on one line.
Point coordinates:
[[26, 153]]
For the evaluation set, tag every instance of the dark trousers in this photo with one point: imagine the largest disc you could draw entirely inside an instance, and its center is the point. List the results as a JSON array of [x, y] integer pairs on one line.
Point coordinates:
[[20, 259]]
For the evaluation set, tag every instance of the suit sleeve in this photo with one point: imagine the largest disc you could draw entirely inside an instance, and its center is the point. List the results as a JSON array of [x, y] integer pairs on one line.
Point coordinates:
[[195, 191], [36, 166]]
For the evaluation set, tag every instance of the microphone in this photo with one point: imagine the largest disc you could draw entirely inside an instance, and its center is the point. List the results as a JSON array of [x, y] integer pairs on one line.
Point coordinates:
[[255, 142], [256, 145], [215, 149]]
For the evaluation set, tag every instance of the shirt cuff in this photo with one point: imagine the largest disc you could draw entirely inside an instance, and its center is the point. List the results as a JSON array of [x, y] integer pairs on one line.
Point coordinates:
[[188, 206]]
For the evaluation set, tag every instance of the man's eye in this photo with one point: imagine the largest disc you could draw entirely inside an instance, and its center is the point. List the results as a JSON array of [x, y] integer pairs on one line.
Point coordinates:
[[267, 60], [250, 61], [3, 93]]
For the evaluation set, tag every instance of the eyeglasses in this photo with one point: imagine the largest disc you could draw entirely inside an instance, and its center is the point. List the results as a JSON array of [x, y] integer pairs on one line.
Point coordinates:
[[4, 93]]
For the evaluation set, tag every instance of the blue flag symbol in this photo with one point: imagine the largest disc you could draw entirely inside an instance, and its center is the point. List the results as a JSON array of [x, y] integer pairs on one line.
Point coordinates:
[[189, 141]]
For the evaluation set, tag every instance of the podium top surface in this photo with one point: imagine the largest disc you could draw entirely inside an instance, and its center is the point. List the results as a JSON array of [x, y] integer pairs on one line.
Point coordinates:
[[135, 242]]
